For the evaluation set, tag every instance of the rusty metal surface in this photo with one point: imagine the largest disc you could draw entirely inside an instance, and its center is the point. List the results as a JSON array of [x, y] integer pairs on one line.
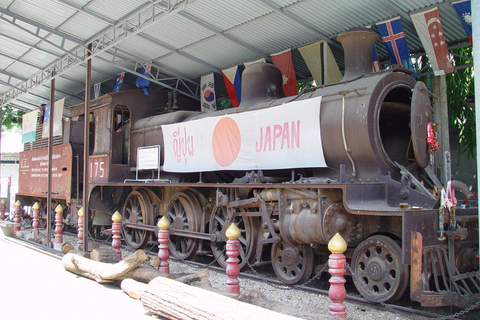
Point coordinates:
[[422, 221], [33, 172]]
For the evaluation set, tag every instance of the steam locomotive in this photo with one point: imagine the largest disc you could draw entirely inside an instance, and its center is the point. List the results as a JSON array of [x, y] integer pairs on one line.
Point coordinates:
[[291, 172]]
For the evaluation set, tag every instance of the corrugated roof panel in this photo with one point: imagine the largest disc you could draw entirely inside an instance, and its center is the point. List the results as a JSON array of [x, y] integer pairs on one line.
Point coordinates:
[[177, 31], [83, 26], [225, 15], [114, 10], [12, 48], [22, 69], [17, 34], [38, 58], [51, 13], [265, 37], [219, 52], [183, 65], [142, 49]]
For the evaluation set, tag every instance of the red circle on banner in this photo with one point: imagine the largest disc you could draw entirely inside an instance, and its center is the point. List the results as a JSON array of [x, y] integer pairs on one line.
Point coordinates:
[[226, 141]]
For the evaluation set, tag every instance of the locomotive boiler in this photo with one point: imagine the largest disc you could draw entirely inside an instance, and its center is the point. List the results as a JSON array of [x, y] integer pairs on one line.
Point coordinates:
[[291, 172]]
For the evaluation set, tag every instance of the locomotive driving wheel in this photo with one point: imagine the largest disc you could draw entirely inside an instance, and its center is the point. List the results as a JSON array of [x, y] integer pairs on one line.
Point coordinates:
[[249, 231], [292, 263], [183, 213], [380, 275], [137, 209]]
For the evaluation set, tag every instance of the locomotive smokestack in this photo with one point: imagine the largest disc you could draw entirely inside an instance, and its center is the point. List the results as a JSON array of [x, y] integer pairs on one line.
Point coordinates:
[[260, 82], [357, 45]]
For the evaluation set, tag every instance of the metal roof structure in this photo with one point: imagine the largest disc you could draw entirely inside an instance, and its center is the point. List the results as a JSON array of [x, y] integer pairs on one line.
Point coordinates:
[[182, 39]]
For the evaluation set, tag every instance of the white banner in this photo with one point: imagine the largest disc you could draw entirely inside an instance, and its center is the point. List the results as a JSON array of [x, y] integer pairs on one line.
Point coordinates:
[[286, 136], [57, 119]]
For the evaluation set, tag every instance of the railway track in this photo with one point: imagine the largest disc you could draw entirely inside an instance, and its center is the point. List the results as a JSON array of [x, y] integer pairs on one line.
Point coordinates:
[[403, 309]]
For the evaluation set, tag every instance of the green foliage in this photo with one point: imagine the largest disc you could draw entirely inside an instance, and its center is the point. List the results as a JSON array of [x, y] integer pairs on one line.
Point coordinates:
[[460, 86], [11, 118]]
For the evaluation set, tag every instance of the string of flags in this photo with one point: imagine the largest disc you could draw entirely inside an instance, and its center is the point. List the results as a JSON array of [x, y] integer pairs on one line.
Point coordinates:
[[324, 69], [320, 60]]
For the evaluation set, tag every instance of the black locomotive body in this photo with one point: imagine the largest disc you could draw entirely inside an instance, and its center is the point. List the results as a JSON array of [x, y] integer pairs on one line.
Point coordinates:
[[371, 185]]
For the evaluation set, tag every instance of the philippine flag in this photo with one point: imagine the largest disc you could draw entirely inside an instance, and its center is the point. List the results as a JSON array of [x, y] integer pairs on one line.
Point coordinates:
[[231, 77]]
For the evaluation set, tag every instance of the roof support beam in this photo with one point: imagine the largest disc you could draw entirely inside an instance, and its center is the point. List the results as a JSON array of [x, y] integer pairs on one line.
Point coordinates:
[[189, 93], [131, 26]]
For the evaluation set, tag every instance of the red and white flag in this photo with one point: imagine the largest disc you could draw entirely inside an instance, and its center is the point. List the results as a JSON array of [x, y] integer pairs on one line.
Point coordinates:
[[283, 60], [430, 31]]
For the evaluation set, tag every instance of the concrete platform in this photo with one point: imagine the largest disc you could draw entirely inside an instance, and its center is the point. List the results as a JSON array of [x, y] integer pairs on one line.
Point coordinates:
[[34, 286]]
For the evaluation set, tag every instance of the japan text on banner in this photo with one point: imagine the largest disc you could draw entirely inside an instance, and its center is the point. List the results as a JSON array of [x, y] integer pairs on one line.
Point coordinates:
[[143, 83], [375, 61], [394, 40], [321, 63], [118, 81], [233, 85], [464, 12], [57, 119], [272, 138], [29, 126], [430, 31], [283, 60], [207, 96], [96, 90]]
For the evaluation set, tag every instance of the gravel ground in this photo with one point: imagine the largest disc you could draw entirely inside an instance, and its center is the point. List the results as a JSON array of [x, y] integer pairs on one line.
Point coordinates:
[[299, 303]]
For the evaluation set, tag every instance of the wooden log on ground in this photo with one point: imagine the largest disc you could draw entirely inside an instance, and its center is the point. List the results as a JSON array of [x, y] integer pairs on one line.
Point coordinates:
[[133, 288], [102, 272], [144, 274], [104, 254], [173, 300]]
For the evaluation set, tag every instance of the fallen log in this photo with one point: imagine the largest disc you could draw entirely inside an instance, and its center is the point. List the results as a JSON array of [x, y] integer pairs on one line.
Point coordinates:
[[133, 288], [104, 254], [100, 271], [173, 300]]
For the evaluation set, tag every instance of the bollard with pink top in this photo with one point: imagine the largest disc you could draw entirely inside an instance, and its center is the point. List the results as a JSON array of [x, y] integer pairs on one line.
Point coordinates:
[[336, 265], [233, 270], [163, 239], [57, 244], [80, 228], [17, 219], [36, 214], [116, 230], [3, 208]]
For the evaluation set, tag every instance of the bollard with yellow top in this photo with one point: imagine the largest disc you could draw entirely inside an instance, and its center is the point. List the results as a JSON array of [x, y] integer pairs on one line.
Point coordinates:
[[17, 219], [233, 270], [80, 228], [116, 230], [36, 215], [57, 244], [163, 240], [3, 209], [336, 268]]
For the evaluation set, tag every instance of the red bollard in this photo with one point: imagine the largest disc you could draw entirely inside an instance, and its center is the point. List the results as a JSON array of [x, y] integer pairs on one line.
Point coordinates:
[[80, 228], [17, 218], [57, 244], [163, 239], [116, 230], [3, 208], [336, 265], [36, 214], [233, 270]]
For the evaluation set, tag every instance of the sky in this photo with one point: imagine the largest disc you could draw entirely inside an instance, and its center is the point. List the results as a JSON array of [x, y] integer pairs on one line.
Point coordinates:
[[11, 142]]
